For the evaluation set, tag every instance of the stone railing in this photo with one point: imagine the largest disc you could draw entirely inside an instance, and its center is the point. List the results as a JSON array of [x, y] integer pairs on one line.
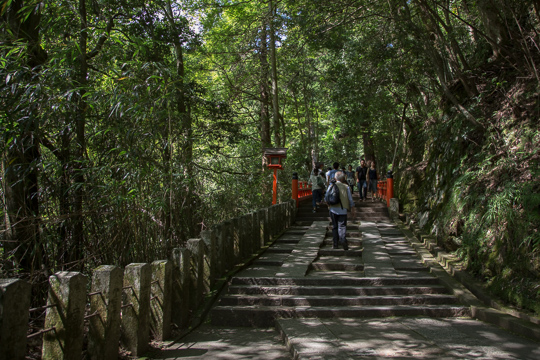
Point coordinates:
[[141, 301]]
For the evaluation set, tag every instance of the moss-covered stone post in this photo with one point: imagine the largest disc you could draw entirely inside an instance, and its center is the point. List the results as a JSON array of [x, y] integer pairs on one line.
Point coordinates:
[[196, 248], [210, 240], [265, 232], [136, 308], [161, 299], [228, 246], [180, 288], [67, 292], [14, 305], [394, 208], [105, 307]]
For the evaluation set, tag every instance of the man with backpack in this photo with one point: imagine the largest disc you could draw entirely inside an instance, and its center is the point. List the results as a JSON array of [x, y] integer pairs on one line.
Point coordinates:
[[339, 200]]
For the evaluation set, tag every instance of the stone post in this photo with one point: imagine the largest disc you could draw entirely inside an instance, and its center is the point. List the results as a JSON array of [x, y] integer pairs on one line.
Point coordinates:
[[283, 216], [67, 290], [241, 239], [235, 234], [195, 246], [270, 222], [14, 306], [161, 299], [181, 280], [105, 302], [210, 240], [289, 214], [277, 220], [245, 234], [273, 222], [294, 211], [255, 232], [394, 208], [219, 250], [136, 308]]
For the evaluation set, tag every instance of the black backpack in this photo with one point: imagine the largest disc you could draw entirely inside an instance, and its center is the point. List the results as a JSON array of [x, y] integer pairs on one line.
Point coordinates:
[[332, 195]]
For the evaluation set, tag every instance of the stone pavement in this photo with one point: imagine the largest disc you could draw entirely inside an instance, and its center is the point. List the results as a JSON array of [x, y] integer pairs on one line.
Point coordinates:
[[375, 301]]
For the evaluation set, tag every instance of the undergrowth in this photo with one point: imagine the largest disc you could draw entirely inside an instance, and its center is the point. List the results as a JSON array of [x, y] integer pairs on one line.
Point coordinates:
[[481, 189]]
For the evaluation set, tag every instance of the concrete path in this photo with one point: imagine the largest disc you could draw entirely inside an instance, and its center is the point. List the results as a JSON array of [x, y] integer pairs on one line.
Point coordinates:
[[381, 266]]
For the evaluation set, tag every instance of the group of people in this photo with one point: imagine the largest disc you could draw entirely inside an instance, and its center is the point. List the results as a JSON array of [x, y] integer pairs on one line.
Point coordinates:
[[364, 177]]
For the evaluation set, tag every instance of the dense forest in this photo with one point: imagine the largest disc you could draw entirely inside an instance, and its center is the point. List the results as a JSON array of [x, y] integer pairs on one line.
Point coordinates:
[[130, 126]]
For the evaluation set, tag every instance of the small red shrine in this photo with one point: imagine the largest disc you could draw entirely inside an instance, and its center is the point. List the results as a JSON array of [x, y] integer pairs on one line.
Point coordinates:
[[274, 158]]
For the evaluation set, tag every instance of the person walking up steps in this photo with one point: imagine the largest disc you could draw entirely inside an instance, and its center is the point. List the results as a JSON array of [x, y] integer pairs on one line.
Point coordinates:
[[338, 211], [330, 174], [372, 177], [317, 186], [361, 177], [350, 178]]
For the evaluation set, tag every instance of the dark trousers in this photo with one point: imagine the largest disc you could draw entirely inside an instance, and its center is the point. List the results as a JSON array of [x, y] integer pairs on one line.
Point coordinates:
[[362, 189], [317, 197], [339, 229]]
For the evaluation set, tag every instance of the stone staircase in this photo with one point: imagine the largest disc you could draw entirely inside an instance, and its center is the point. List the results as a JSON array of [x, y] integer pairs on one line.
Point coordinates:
[[301, 276]]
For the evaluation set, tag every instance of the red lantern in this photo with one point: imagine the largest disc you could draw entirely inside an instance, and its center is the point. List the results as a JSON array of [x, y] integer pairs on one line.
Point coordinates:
[[274, 157]]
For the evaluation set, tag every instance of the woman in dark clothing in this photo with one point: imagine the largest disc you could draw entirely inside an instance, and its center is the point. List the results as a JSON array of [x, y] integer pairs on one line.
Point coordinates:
[[372, 180]]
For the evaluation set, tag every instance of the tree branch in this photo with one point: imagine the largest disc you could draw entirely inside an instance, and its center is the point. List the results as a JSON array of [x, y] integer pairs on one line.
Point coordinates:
[[102, 38]]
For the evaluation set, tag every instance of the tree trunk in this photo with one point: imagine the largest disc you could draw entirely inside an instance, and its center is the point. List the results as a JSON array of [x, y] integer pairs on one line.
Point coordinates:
[[369, 148], [186, 129], [266, 140], [275, 102], [23, 157], [77, 248]]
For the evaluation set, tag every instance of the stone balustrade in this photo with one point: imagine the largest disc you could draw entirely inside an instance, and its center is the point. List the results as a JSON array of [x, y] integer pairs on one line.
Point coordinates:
[[132, 305]]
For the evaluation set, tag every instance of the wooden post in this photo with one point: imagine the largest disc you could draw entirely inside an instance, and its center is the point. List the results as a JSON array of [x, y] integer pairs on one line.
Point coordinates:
[[274, 193], [390, 190]]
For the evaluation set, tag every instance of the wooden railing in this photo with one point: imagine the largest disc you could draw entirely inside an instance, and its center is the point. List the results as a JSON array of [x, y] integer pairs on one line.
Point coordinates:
[[385, 188], [300, 189]]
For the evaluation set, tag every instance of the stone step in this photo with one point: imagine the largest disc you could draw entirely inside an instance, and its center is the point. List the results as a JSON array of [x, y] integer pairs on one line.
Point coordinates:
[[287, 241], [337, 290], [364, 281], [264, 316], [397, 252], [332, 266], [357, 242], [279, 250], [330, 301], [340, 252], [267, 262], [352, 234]]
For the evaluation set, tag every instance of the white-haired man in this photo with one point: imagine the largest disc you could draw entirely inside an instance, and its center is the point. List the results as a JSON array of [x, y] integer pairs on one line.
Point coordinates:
[[338, 212]]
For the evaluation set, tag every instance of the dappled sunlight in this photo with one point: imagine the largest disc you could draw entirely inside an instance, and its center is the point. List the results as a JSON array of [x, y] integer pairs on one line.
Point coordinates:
[[227, 343]]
